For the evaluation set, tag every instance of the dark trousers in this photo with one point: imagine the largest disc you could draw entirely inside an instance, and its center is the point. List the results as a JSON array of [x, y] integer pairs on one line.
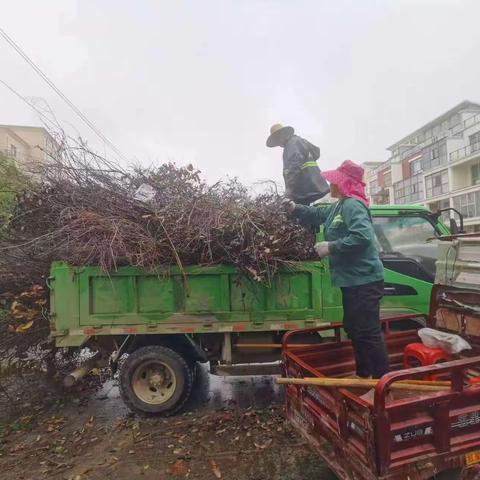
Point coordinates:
[[361, 321]]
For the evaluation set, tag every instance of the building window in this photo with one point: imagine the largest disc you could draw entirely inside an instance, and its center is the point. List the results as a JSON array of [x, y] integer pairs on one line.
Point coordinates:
[[434, 157], [387, 179], [475, 169], [13, 151], [436, 184], [415, 167], [468, 204], [409, 190], [475, 142], [373, 186]]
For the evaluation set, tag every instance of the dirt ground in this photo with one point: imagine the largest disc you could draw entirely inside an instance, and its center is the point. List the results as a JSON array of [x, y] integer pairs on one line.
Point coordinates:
[[232, 428]]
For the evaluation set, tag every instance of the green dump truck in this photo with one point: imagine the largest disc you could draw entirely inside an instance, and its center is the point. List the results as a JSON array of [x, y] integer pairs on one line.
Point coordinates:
[[167, 321]]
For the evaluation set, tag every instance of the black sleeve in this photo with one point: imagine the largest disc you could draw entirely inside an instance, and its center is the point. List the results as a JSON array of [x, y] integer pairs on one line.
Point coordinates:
[[293, 159]]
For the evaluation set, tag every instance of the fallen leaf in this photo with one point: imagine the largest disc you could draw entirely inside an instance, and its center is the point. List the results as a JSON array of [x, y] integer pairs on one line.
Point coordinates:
[[216, 471], [264, 445], [178, 469], [24, 327]]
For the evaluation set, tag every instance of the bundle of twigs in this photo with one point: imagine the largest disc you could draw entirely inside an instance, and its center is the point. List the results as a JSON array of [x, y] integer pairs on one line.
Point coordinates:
[[85, 210]]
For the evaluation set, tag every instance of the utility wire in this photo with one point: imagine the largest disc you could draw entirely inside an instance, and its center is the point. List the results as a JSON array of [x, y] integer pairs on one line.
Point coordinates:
[[44, 77]]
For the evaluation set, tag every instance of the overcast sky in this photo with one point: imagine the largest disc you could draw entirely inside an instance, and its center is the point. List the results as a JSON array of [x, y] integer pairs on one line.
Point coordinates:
[[202, 81]]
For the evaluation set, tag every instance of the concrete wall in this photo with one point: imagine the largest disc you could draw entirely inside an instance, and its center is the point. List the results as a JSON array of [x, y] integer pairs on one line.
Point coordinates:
[[27, 141], [35, 138], [9, 139], [461, 176]]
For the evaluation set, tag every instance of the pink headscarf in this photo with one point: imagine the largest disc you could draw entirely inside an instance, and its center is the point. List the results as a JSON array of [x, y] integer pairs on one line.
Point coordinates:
[[348, 177]]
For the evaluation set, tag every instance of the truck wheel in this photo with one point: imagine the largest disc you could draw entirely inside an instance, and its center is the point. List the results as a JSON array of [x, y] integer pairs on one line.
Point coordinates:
[[155, 380]]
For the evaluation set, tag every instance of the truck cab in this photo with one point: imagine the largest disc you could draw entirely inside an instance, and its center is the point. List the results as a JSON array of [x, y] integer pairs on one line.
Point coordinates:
[[406, 239]]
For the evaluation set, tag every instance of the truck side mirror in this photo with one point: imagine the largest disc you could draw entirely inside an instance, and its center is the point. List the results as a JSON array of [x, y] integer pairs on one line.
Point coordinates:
[[454, 230]]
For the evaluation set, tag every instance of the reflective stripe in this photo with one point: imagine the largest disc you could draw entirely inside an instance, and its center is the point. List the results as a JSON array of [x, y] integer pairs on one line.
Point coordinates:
[[309, 164]]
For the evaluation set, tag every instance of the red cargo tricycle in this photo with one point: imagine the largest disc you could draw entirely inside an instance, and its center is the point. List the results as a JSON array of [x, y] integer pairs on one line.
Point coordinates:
[[392, 434]]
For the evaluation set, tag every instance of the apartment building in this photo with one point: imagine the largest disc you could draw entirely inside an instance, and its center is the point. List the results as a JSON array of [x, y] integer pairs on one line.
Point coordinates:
[[369, 175], [437, 165], [26, 145]]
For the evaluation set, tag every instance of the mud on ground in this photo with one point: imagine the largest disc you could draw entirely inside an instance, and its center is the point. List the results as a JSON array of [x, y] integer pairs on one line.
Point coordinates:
[[233, 428]]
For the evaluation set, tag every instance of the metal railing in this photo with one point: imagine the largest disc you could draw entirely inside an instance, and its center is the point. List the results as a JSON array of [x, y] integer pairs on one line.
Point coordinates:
[[451, 132], [469, 122], [465, 152]]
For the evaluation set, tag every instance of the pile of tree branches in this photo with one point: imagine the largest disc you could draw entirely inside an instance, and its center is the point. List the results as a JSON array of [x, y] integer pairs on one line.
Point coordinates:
[[88, 211]]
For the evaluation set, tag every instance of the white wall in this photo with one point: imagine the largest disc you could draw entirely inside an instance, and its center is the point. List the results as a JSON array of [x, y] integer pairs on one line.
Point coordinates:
[[461, 176], [6, 142]]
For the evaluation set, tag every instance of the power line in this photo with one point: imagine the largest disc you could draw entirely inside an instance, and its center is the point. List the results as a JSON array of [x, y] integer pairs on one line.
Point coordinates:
[[44, 77]]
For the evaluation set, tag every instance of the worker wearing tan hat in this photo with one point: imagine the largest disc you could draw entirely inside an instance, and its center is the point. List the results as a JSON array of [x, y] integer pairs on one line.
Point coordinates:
[[303, 181]]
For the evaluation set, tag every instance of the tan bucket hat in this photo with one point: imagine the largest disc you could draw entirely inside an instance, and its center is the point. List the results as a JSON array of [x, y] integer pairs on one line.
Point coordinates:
[[276, 134]]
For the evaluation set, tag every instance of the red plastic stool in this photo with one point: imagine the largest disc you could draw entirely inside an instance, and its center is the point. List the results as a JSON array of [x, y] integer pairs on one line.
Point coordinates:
[[419, 355]]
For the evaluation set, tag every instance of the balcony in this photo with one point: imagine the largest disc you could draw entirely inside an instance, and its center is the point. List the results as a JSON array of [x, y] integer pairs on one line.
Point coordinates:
[[465, 152], [469, 122], [453, 131]]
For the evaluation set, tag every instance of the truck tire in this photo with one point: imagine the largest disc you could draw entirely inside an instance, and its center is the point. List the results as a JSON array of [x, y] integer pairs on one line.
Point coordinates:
[[155, 380]]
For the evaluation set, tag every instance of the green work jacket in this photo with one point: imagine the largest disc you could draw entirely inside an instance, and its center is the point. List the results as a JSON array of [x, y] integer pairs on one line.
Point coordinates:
[[348, 229]]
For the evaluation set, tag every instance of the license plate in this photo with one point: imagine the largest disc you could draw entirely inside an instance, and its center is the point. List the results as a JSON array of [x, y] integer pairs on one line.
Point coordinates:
[[472, 457]]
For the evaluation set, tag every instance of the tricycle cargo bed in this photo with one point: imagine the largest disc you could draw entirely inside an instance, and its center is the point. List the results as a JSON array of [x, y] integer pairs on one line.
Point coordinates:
[[387, 434]]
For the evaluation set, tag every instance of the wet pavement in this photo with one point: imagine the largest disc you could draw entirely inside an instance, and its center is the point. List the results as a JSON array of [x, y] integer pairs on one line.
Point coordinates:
[[209, 393], [87, 433]]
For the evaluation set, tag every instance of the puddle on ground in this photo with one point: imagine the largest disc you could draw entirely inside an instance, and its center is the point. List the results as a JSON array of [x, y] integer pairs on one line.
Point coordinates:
[[210, 392]]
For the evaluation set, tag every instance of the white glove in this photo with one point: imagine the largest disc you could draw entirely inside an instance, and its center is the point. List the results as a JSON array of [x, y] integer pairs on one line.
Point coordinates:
[[288, 205], [322, 249]]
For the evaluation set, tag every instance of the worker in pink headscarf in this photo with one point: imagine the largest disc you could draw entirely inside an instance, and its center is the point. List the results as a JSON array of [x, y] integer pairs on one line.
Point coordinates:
[[354, 263]]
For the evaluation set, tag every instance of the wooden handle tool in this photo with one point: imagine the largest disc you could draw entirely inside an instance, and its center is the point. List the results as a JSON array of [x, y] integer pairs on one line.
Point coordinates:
[[416, 385]]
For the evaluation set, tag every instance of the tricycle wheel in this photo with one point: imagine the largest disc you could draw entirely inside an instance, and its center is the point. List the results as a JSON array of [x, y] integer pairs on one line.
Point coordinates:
[[453, 474], [155, 380]]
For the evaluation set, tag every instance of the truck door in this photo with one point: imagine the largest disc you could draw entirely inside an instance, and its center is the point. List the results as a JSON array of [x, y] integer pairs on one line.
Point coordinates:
[[408, 254]]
